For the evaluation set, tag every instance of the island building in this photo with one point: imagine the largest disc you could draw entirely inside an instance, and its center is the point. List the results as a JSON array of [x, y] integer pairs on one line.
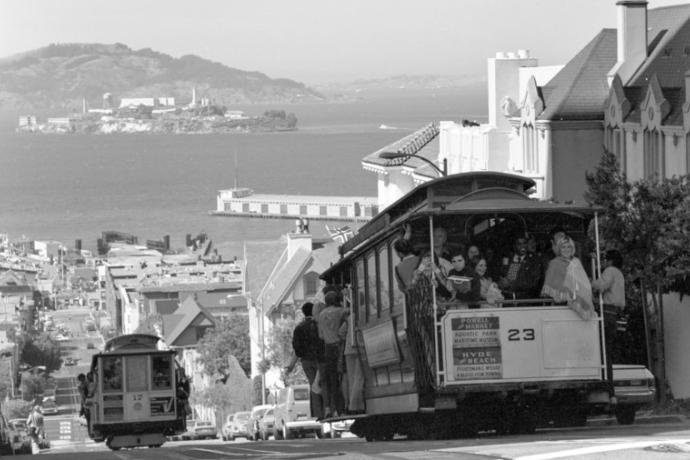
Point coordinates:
[[165, 101], [242, 202], [627, 91], [27, 123]]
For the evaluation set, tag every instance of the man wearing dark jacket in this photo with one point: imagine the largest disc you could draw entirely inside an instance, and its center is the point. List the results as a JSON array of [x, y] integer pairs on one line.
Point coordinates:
[[521, 273], [309, 349]]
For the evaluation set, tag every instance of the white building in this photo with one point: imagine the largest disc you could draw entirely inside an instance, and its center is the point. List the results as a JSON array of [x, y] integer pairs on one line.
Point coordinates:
[[244, 202]]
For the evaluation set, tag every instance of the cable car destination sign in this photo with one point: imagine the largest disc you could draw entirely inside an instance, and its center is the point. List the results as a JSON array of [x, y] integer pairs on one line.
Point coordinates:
[[476, 348]]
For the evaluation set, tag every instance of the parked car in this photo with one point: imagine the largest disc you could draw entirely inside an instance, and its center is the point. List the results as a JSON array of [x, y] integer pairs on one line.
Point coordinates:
[[293, 415], [204, 430], [253, 422], [634, 387], [49, 407], [70, 361], [237, 428], [266, 424]]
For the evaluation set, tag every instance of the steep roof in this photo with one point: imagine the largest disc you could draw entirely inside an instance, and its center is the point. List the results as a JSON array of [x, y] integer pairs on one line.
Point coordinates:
[[668, 57], [186, 316], [284, 278], [261, 258], [578, 90]]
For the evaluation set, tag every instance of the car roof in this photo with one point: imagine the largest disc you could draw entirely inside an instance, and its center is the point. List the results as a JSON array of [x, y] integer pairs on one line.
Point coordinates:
[[261, 408]]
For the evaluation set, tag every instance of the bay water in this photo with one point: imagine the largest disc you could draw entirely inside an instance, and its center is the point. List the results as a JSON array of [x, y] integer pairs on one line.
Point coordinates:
[[68, 187]]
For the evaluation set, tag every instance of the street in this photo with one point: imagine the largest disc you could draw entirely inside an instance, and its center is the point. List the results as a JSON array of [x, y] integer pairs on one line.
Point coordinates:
[[666, 438]]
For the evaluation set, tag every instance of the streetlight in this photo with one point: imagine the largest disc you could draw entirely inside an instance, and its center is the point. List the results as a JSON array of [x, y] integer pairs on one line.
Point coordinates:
[[395, 155]]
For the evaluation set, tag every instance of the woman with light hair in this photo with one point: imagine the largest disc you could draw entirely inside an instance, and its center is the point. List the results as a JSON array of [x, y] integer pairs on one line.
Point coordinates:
[[566, 280]]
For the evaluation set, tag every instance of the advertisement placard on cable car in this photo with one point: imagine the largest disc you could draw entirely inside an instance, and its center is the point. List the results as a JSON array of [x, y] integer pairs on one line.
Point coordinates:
[[520, 344], [381, 345]]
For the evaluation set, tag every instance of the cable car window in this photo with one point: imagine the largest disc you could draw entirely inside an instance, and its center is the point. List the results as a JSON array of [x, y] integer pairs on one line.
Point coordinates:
[[161, 372], [384, 279], [371, 285], [112, 374], [361, 303], [137, 373]]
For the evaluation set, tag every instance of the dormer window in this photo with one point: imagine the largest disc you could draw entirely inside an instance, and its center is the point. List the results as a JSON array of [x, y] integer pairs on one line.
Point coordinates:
[[654, 153], [530, 159]]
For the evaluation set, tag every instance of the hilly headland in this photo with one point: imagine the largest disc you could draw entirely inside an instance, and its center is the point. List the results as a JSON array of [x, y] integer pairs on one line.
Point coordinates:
[[99, 88]]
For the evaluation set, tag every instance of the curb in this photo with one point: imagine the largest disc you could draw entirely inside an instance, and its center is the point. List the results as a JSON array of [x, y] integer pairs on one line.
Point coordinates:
[[640, 419]]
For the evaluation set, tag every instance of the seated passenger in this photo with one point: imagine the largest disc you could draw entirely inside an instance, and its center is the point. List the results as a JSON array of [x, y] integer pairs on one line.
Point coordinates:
[[566, 280], [438, 263], [521, 272], [469, 290], [473, 255], [441, 257], [488, 290], [409, 261]]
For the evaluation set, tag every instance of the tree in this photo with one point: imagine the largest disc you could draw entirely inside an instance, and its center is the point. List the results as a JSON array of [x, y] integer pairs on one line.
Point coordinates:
[[39, 350], [32, 386], [279, 350], [16, 408], [229, 338], [648, 221]]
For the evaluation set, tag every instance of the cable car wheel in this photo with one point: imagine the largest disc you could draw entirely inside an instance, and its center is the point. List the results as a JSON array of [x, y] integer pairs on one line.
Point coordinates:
[[109, 441]]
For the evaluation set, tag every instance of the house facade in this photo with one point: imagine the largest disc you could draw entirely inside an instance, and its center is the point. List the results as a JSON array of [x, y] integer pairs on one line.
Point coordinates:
[[293, 280]]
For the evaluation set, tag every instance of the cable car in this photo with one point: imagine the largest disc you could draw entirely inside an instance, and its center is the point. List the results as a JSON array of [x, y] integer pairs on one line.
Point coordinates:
[[136, 401], [435, 367]]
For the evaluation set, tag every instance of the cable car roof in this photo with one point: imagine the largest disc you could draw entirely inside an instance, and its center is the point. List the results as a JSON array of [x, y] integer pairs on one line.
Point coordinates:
[[504, 200], [482, 192], [130, 341], [437, 193]]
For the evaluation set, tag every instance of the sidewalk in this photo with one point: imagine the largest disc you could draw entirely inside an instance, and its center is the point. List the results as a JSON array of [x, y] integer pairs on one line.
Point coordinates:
[[60, 445]]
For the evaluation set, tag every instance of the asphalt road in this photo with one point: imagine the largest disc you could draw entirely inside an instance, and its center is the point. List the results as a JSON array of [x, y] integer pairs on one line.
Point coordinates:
[[647, 440]]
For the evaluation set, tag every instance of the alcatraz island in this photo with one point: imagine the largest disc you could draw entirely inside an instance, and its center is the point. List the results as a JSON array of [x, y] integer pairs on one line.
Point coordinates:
[[159, 115]]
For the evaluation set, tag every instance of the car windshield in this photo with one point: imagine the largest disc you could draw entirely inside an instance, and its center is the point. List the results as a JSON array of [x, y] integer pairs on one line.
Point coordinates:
[[242, 416], [301, 394]]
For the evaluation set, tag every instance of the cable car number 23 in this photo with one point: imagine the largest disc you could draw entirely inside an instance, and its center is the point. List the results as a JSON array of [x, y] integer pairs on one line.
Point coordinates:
[[520, 334]]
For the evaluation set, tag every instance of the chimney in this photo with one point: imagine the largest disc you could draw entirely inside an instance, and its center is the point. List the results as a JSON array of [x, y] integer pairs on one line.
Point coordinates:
[[632, 38], [299, 239]]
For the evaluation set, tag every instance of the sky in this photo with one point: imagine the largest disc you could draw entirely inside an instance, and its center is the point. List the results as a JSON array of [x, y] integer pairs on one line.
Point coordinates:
[[319, 41]]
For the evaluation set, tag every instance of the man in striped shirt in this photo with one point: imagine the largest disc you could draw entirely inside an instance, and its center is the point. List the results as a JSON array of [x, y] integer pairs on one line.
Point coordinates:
[[332, 323]]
